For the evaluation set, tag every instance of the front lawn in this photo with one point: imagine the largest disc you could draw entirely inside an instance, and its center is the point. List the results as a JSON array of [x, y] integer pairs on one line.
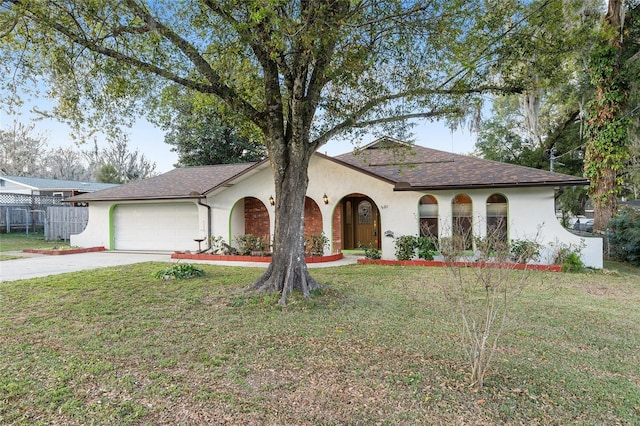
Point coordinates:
[[19, 241], [381, 346]]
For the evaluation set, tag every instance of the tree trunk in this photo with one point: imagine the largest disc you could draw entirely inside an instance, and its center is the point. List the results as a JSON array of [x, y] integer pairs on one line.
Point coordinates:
[[604, 210], [288, 270], [607, 147]]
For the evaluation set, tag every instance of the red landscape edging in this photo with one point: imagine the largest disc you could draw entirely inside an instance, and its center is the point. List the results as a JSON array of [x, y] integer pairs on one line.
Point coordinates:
[[439, 263], [236, 258]]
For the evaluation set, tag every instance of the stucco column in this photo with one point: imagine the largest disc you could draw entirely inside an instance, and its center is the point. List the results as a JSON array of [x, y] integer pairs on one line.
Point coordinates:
[[479, 214], [445, 212]]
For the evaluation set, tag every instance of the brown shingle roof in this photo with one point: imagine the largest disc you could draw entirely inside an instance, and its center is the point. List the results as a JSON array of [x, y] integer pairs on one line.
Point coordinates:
[[408, 167], [184, 182], [412, 167]]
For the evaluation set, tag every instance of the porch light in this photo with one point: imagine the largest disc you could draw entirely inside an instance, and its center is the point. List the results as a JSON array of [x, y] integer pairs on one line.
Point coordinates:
[[272, 201], [325, 199]]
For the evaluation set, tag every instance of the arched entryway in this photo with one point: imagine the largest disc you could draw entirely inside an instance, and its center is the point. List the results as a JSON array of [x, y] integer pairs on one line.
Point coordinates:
[[250, 216], [360, 222]]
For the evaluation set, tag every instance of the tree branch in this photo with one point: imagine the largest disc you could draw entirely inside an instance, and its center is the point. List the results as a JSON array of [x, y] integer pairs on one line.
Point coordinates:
[[324, 138], [221, 90], [215, 87]]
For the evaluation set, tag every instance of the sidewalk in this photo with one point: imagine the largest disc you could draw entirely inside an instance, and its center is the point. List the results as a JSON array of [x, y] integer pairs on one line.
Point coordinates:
[[34, 266]]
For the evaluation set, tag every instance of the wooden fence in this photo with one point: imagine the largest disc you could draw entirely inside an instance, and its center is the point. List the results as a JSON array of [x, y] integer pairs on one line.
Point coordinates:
[[57, 222], [62, 222]]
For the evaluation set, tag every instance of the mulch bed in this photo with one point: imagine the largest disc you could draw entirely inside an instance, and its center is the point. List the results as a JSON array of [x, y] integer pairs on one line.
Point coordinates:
[[55, 252]]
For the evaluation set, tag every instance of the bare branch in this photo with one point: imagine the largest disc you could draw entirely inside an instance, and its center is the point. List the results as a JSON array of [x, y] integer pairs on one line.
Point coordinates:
[[322, 139]]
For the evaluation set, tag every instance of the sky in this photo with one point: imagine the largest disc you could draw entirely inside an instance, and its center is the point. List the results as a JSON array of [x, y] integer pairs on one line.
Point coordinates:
[[149, 140]]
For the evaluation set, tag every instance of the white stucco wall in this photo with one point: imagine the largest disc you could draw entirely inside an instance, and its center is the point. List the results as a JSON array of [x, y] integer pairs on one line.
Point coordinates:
[[531, 211], [99, 227], [97, 232], [227, 207]]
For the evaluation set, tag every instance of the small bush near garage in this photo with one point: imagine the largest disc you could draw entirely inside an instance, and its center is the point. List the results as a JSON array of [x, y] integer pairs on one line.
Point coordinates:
[[624, 238], [180, 271]]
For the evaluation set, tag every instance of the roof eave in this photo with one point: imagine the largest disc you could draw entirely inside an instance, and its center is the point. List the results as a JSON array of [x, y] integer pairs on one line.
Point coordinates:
[[491, 185], [249, 170], [358, 169], [150, 198]]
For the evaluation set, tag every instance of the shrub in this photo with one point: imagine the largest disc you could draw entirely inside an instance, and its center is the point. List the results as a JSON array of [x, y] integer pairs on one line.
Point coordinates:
[[624, 239], [452, 247], [483, 297], [316, 243], [524, 251], [572, 263], [568, 255], [180, 271], [405, 247], [426, 247], [370, 252], [249, 243]]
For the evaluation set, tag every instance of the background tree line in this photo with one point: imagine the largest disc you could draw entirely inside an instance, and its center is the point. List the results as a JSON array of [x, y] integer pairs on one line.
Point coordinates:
[[25, 153], [583, 120]]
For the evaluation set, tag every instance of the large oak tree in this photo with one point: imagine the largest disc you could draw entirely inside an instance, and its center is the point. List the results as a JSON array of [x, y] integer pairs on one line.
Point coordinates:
[[299, 71]]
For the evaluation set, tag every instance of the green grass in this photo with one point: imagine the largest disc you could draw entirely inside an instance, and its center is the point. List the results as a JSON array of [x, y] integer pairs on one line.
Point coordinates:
[[20, 241], [380, 346]]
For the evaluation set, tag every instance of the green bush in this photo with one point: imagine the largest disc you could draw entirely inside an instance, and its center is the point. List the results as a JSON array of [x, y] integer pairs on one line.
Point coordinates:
[[180, 271], [624, 238], [426, 247], [405, 247], [524, 251], [370, 252], [572, 263], [568, 256]]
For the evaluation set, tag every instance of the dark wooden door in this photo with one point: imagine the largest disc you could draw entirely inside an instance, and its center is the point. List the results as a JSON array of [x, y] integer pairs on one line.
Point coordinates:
[[362, 224]]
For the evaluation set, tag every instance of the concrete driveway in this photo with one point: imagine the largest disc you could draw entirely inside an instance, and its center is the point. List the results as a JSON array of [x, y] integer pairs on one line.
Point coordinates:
[[42, 265], [35, 266]]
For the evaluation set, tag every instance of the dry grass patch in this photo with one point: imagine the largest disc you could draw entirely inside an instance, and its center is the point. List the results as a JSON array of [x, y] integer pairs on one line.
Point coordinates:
[[380, 346]]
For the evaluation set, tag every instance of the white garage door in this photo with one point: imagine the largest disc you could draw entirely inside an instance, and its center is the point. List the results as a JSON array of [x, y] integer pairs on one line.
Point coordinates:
[[165, 227]]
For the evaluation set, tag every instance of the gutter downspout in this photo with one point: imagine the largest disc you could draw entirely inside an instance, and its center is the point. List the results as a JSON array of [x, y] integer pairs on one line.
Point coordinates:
[[208, 207]]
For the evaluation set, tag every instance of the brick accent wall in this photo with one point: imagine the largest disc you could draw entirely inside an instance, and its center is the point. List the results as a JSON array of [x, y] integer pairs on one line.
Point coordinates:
[[336, 223], [256, 219], [312, 218]]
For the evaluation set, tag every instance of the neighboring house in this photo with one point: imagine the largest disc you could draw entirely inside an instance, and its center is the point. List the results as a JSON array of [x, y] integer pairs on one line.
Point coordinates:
[[48, 187], [372, 195]]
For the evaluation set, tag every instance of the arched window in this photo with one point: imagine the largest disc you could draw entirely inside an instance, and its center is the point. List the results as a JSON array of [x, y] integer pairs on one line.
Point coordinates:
[[462, 209], [428, 209], [497, 219]]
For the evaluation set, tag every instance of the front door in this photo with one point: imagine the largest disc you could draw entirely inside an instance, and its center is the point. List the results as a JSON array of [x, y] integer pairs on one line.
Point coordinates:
[[361, 224]]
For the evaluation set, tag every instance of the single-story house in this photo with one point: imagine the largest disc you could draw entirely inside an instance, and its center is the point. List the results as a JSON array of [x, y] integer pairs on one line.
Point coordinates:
[[371, 196], [48, 187]]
